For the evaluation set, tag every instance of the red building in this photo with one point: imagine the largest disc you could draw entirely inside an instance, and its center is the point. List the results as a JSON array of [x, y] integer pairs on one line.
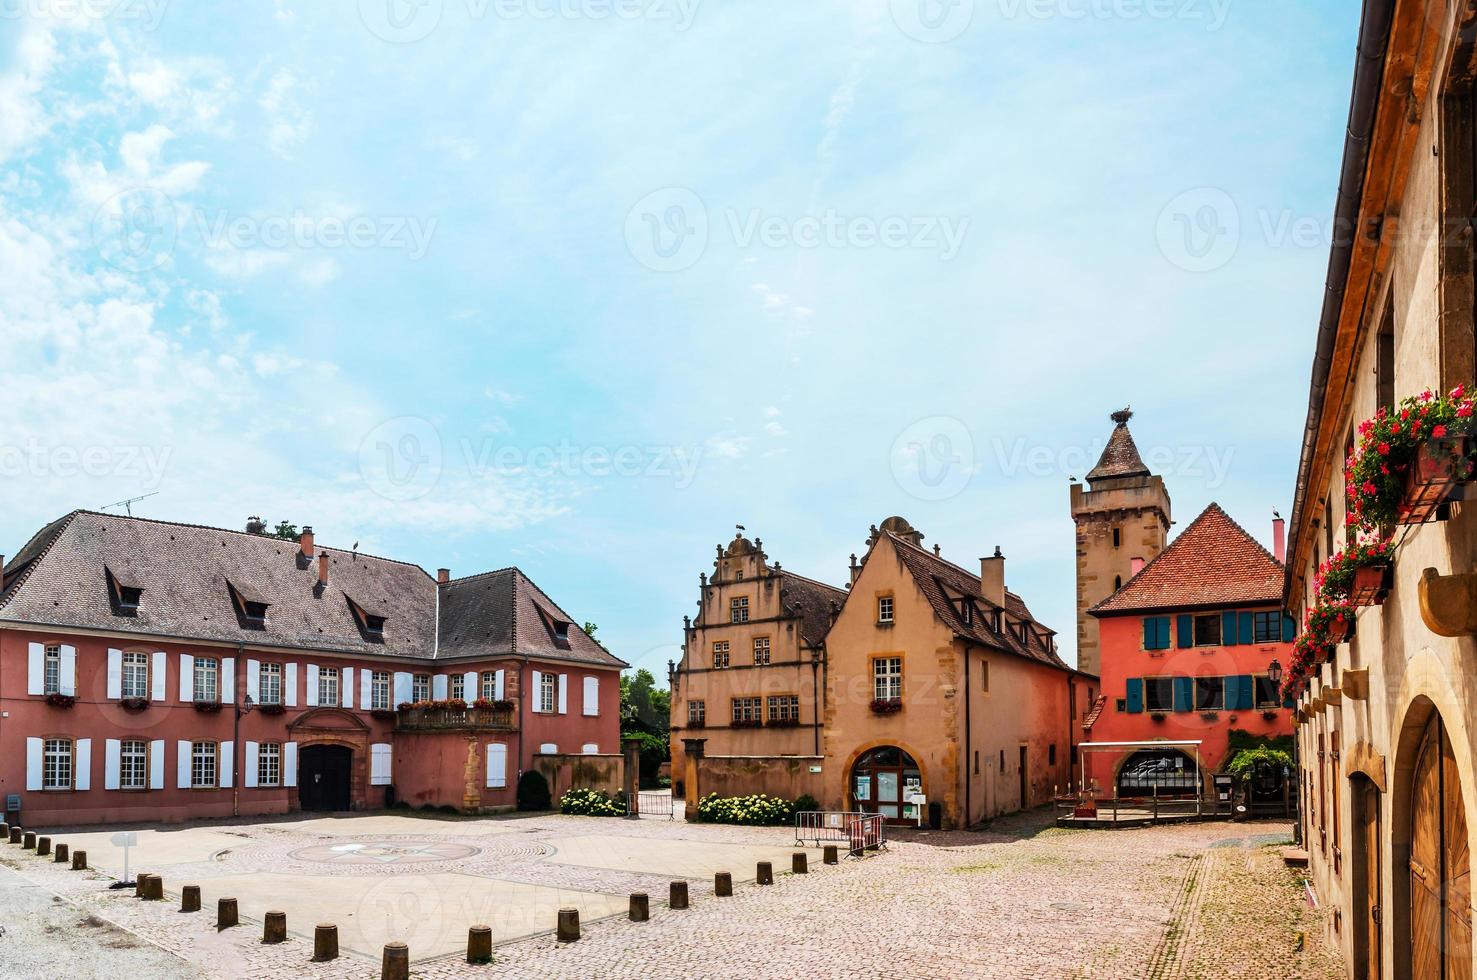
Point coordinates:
[[1186, 646], [156, 671]]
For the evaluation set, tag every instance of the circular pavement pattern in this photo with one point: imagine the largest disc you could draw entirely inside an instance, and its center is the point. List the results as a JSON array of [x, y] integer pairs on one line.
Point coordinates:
[[384, 852]]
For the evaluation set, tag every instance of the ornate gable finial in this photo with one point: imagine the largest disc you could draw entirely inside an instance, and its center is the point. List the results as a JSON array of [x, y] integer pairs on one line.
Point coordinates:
[[1122, 416]]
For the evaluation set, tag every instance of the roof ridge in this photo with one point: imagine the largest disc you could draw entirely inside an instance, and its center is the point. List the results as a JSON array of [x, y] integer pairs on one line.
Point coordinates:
[[61, 524], [476, 575], [813, 581], [933, 557]]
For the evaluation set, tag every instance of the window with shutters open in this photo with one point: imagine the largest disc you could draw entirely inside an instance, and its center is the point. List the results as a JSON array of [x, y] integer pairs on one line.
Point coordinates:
[[328, 687], [379, 691], [203, 764], [458, 687], [1158, 694], [135, 675], [269, 686], [269, 764], [133, 764], [420, 687], [488, 682], [548, 693], [56, 764], [53, 669], [207, 679]]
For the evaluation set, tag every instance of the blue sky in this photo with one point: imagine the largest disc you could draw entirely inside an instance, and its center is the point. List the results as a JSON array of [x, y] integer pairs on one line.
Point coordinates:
[[578, 285]]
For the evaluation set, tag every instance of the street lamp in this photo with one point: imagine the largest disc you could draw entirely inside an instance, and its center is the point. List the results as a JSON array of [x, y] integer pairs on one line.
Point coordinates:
[[1274, 672], [243, 707]]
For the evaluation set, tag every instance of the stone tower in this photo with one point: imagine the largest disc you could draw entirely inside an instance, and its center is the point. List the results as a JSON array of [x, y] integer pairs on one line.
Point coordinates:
[[1122, 519]]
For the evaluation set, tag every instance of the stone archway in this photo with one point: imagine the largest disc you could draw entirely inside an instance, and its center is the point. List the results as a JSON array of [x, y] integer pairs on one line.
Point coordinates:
[[907, 765], [335, 727]]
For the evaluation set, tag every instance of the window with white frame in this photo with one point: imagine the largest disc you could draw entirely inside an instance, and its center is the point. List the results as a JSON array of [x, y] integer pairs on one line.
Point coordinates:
[[747, 710], [269, 764], [133, 764], [548, 693], [784, 707], [697, 713], [489, 686], [420, 687], [328, 686], [738, 610], [458, 686], [379, 691], [720, 654], [207, 679], [135, 675], [269, 683], [761, 651], [887, 678], [202, 765], [884, 609], [53, 669], [56, 763]]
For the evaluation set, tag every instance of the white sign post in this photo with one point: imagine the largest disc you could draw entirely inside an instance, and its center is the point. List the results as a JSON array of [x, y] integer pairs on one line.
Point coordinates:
[[125, 840], [919, 802]]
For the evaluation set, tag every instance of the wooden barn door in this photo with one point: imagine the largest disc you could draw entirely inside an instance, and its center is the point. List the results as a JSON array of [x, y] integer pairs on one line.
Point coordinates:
[[1440, 888]]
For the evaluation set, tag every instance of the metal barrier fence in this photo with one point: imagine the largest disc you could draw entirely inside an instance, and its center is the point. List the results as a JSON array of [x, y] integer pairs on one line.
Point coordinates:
[[858, 831], [652, 803]]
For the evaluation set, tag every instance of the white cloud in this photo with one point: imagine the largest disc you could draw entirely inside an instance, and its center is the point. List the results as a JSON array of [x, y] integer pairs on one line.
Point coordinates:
[[22, 117], [288, 123]]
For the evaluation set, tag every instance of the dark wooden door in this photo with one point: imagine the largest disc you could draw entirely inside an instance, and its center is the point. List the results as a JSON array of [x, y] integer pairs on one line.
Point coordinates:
[[1440, 887], [1367, 839], [323, 777], [1025, 781]]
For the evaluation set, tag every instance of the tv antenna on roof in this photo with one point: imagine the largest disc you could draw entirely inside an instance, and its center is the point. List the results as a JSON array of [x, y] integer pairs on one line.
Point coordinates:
[[127, 505]]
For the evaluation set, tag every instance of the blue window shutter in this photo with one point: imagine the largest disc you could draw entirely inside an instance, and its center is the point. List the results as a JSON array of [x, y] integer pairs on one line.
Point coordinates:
[[1247, 685], [1248, 628], [1184, 694], [1163, 632], [1151, 634], [1135, 695], [1289, 629], [1187, 630], [1228, 629]]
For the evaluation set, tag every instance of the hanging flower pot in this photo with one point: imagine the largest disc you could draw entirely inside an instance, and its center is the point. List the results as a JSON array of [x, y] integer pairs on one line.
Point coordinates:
[[1410, 460], [1360, 575], [1440, 467], [1371, 584]]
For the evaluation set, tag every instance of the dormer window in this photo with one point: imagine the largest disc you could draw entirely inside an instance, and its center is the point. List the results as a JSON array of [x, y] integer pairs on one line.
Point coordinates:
[[374, 624], [251, 608], [371, 624], [123, 595]]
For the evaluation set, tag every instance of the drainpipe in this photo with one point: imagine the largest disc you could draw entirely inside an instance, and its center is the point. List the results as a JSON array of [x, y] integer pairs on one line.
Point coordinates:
[[968, 743], [815, 697], [238, 694]]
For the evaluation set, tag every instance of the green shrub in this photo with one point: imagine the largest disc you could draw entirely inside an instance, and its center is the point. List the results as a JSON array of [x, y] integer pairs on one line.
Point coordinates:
[[1247, 760], [591, 803], [751, 811], [805, 803], [533, 791]]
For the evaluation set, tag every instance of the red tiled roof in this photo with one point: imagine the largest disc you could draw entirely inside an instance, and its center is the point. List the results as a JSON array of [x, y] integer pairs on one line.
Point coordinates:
[[1213, 562], [1094, 713]]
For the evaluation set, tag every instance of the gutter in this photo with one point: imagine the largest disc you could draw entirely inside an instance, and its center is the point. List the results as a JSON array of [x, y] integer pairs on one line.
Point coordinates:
[[1369, 70]]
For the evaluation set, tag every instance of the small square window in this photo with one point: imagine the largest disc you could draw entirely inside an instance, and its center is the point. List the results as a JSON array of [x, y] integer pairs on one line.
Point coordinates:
[[884, 609], [1208, 630], [739, 610]]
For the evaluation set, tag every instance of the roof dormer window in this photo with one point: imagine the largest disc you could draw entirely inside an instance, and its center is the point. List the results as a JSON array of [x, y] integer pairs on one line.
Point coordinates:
[[374, 625], [371, 624], [251, 608], [124, 596]]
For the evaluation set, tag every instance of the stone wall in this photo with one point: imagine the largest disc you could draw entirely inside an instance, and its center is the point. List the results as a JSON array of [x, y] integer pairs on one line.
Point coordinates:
[[743, 775], [566, 772]]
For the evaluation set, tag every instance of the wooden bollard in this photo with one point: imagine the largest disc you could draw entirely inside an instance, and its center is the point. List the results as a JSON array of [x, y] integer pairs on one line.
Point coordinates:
[[79, 860], [274, 929], [640, 907], [800, 863], [677, 898], [189, 899], [764, 875], [226, 914], [479, 944], [16, 834], [29, 841], [63, 854], [722, 884], [831, 855], [43, 845], [154, 889], [325, 943], [4, 830], [138, 884], [396, 962], [569, 925]]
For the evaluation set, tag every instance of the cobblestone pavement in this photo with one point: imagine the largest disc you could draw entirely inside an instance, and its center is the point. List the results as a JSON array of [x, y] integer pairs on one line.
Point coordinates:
[[1023, 899]]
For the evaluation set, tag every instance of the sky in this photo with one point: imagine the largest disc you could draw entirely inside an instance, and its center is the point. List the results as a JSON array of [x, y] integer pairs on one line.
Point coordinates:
[[580, 285]]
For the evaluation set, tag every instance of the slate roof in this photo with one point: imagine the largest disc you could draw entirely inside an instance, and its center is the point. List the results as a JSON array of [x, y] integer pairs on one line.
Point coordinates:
[[1214, 562], [942, 581], [812, 601], [60, 578], [1120, 456]]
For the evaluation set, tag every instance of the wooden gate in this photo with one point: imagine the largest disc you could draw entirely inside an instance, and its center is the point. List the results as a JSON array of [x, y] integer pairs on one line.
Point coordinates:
[[1369, 933], [1440, 888]]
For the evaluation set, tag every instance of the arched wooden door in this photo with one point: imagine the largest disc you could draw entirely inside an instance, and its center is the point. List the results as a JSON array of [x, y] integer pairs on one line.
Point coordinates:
[[1440, 865]]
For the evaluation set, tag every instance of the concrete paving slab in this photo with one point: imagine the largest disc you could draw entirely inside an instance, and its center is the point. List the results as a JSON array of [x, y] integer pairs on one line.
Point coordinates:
[[671, 858], [155, 849]]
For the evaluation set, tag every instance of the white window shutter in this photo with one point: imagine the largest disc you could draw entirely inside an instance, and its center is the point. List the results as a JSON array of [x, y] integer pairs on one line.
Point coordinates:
[[33, 764], [536, 696], [112, 763], [69, 671], [469, 687], [156, 764], [289, 764], [182, 765], [254, 680], [497, 686], [225, 764], [380, 764], [497, 765], [592, 696], [402, 688], [438, 687], [248, 763], [348, 686], [289, 685], [228, 681], [161, 671], [366, 688], [82, 760], [36, 672], [186, 680], [590, 748], [312, 693], [115, 678], [564, 694]]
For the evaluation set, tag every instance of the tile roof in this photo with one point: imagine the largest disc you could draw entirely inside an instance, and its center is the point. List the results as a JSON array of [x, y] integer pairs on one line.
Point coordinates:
[[942, 581], [1094, 712], [1213, 562], [813, 602], [1120, 456], [188, 573]]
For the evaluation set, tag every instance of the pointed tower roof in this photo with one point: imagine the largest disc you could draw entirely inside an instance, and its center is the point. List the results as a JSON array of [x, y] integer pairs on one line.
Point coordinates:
[[1120, 457]]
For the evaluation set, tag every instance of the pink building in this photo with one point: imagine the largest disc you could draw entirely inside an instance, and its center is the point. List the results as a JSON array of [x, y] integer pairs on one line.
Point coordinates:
[[1187, 643], [156, 671]]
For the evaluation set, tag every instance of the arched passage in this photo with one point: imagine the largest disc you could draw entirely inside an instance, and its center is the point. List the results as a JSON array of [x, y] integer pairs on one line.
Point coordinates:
[[882, 781], [1439, 928], [1158, 772]]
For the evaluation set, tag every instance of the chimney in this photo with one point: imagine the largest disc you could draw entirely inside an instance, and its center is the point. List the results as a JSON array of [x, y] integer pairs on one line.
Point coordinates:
[[1279, 538], [443, 575], [306, 540], [1135, 565], [992, 578], [323, 568]]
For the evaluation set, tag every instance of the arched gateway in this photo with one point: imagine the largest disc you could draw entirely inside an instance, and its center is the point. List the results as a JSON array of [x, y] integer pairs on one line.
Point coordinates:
[[883, 780], [1440, 864]]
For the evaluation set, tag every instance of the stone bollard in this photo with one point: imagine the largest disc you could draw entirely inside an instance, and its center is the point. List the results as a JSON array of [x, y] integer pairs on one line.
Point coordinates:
[[569, 925], [226, 914], [43, 845], [154, 889], [677, 898], [479, 944], [831, 855], [28, 842], [765, 874], [396, 962], [79, 860], [274, 929], [138, 884], [4, 830], [640, 907], [189, 899], [325, 943], [800, 863], [15, 834], [722, 884], [63, 853]]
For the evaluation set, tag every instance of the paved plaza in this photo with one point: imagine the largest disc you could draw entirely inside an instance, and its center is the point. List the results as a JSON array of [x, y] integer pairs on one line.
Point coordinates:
[[1023, 899]]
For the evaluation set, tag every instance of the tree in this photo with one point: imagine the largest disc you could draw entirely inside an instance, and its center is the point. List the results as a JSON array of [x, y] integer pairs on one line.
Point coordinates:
[[286, 531], [644, 704]]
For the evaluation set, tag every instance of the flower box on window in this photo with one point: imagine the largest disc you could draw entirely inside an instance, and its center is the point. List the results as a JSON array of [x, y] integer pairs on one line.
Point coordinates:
[[746, 723], [383, 714], [135, 704], [886, 706], [1371, 584], [783, 723], [697, 723], [60, 700], [1410, 460], [1269, 715], [1440, 467], [272, 709], [1158, 715], [208, 707]]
